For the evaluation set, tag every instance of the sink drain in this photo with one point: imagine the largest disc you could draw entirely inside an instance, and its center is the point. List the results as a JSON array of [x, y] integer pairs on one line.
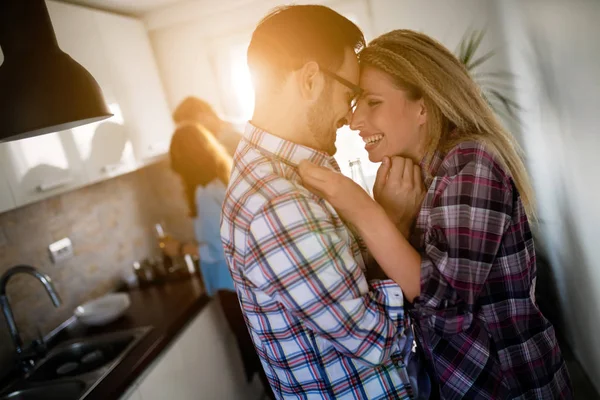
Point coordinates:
[[94, 356], [67, 368]]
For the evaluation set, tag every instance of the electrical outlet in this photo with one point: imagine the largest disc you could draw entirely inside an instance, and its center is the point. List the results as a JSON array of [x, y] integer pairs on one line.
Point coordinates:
[[61, 250]]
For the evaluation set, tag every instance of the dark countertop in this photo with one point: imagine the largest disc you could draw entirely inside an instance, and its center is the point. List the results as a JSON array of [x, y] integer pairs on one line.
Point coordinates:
[[167, 308]]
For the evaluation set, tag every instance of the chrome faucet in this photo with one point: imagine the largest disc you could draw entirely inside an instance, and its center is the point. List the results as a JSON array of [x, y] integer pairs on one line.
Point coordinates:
[[10, 320]]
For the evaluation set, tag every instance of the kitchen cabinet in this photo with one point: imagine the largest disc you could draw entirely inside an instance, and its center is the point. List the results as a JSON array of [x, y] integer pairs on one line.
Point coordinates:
[[168, 378], [137, 84], [6, 198], [209, 350], [36, 168], [105, 147], [202, 363], [41, 166], [116, 51]]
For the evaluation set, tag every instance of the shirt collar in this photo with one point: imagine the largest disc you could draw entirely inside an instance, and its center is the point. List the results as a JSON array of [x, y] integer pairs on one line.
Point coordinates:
[[284, 150]]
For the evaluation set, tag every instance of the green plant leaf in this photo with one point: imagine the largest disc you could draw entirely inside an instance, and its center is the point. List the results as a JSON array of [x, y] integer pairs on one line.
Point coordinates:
[[499, 110], [480, 60], [495, 84], [495, 74], [492, 83], [469, 45], [509, 105]]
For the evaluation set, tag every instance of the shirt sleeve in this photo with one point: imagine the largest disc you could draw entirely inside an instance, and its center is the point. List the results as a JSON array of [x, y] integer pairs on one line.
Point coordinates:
[[468, 219], [300, 260]]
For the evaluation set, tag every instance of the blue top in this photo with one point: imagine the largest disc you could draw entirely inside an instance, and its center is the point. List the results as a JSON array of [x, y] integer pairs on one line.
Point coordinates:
[[215, 272]]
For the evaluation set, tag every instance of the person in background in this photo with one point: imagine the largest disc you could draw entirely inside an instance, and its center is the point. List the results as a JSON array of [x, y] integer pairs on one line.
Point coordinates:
[[467, 263], [324, 323], [195, 110], [204, 167]]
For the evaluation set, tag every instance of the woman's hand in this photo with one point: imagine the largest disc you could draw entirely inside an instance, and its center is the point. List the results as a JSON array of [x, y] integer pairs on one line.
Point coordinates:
[[397, 258], [400, 191], [348, 198]]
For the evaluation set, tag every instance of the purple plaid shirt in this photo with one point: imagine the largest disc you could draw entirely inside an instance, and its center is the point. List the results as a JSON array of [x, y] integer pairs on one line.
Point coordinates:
[[321, 330], [476, 318]]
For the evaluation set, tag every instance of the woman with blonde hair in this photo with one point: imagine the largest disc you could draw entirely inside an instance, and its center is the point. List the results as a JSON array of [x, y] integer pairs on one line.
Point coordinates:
[[204, 167], [451, 222]]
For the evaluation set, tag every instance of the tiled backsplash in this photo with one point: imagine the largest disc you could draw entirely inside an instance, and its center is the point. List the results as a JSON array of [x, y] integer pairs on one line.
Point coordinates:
[[110, 224]]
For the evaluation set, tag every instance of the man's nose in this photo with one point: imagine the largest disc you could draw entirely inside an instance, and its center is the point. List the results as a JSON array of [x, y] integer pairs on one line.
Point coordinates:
[[345, 120], [348, 117], [356, 121]]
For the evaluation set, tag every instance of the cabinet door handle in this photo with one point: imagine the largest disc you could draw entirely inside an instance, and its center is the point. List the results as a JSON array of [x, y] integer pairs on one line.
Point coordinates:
[[47, 186]]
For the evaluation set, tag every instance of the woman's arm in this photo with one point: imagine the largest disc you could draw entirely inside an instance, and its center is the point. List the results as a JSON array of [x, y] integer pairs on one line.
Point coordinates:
[[389, 247], [396, 257]]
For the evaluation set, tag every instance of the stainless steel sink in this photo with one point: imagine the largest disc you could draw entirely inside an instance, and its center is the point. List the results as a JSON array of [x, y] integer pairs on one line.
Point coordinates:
[[73, 368], [82, 356], [64, 390]]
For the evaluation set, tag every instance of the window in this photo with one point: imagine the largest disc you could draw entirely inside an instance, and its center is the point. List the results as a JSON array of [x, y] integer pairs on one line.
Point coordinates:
[[234, 81], [241, 82]]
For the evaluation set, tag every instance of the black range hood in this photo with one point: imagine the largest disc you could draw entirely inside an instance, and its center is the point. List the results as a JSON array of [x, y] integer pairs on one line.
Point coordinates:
[[42, 89]]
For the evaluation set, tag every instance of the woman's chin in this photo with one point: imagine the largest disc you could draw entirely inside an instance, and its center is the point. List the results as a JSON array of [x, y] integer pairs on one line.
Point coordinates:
[[375, 158], [377, 155]]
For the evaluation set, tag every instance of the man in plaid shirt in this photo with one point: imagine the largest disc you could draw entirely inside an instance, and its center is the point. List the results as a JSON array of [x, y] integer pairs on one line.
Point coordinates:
[[321, 329]]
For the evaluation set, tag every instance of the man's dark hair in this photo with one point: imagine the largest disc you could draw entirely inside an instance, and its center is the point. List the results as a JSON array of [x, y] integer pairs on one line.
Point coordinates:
[[290, 36]]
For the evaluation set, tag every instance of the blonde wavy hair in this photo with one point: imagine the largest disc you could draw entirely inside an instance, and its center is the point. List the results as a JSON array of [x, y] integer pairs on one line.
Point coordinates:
[[456, 109]]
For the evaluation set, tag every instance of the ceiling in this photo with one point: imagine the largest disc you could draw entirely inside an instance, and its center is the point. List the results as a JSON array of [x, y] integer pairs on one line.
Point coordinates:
[[128, 7]]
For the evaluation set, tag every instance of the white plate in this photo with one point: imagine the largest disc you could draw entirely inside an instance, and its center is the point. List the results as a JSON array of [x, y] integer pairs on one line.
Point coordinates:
[[103, 310]]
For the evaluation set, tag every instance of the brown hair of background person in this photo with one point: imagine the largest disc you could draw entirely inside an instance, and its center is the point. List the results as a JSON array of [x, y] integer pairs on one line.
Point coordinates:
[[198, 158]]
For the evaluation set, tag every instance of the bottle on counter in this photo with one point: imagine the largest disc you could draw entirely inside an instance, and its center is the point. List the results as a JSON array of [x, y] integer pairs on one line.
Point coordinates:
[[144, 275], [192, 264], [358, 176], [163, 238]]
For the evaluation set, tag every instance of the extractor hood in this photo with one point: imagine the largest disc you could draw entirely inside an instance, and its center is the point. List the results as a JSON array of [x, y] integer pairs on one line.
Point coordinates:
[[42, 89]]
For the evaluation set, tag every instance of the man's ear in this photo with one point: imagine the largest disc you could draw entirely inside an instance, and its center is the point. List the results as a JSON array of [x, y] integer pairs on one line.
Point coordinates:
[[310, 81]]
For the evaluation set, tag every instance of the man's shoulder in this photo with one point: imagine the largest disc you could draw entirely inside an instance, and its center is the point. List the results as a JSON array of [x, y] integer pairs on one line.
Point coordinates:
[[259, 183]]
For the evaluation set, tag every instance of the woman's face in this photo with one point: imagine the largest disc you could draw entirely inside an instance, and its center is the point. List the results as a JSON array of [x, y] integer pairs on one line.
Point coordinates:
[[390, 123]]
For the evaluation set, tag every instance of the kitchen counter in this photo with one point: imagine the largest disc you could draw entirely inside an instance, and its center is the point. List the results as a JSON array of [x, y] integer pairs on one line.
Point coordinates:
[[166, 308]]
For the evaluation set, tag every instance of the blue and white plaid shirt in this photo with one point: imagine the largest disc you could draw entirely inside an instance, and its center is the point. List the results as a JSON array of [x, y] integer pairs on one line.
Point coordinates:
[[321, 330]]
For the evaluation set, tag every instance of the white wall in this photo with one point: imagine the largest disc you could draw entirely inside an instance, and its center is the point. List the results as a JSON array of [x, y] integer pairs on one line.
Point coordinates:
[[445, 20], [555, 51]]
